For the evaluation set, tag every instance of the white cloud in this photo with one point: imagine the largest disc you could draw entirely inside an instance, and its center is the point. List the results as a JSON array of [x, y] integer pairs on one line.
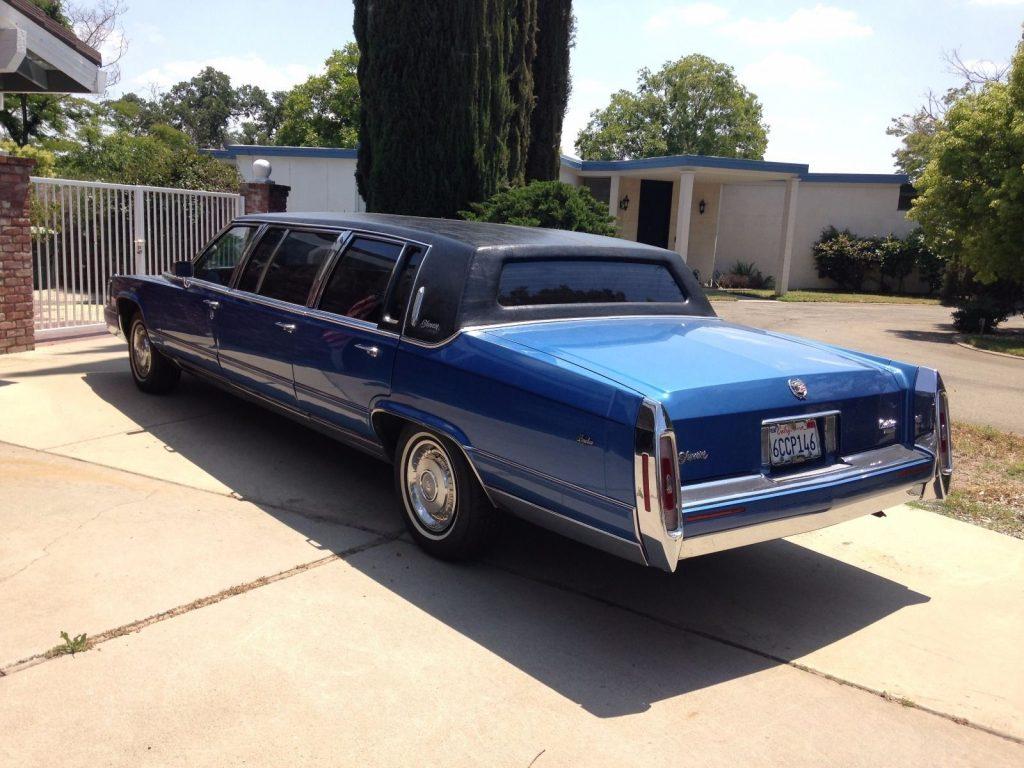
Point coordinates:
[[692, 15], [249, 68], [997, 2], [817, 24], [785, 70]]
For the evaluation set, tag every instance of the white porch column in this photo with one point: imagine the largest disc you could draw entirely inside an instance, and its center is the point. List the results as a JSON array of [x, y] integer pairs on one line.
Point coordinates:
[[786, 237], [613, 199], [683, 212]]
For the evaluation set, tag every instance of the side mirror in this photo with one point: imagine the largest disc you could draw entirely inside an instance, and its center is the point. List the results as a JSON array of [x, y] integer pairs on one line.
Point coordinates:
[[182, 268]]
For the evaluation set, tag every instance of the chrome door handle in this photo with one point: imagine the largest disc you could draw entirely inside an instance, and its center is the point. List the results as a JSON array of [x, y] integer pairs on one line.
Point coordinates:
[[211, 303], [286, 327], [370, 350]]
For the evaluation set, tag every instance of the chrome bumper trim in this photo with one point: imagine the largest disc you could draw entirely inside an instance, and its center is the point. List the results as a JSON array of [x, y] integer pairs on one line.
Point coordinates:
[[790, 526]]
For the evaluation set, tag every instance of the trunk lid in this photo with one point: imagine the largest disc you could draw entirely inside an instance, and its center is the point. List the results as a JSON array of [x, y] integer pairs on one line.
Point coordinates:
[[719, 381]]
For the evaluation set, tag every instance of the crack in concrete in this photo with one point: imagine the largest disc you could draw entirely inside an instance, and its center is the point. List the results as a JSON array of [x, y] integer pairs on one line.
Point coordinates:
[[202, 602], [142, 429], [76, 529]]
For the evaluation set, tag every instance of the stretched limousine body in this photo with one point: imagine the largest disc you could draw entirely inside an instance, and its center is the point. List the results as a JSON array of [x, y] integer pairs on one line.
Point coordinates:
[[581, 382]]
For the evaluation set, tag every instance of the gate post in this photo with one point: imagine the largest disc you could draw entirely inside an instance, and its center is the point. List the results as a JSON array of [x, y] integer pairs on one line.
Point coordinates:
[[262, 194], [139, 233], [17, 329]]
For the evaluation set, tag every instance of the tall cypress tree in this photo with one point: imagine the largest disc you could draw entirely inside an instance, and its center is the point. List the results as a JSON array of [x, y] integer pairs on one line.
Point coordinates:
[[555, 28], [447, 97]]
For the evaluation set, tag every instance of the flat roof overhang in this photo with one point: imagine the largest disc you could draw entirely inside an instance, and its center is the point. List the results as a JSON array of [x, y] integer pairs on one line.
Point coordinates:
[[37, 55]]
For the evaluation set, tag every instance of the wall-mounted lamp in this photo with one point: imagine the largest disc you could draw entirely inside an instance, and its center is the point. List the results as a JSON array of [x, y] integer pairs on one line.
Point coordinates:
[[702, 207], [624, 203]]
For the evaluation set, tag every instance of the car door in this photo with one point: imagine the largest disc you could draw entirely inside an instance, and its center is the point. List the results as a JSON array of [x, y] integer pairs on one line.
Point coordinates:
[[345, 351], [257, 322], [184, 323]]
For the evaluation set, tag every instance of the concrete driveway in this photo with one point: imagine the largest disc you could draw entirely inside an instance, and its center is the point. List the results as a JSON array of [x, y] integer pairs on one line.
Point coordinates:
[[256, 602], [983, 388]]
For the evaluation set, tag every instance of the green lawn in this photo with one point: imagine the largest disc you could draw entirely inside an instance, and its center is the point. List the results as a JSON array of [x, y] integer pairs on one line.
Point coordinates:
[[733, 294], [1010, 344]]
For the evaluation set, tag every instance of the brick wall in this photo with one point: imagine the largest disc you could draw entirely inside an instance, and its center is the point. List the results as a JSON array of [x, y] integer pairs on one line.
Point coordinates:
[[16, 326], [265, 197]]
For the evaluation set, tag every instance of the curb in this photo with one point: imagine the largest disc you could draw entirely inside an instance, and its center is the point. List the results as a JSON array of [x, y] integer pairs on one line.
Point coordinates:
[[958, 339]]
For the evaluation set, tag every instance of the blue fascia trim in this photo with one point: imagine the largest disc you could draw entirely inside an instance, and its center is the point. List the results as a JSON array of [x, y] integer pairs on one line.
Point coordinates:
[[682, 161], [856, 178], [220, 154], [233, 150]]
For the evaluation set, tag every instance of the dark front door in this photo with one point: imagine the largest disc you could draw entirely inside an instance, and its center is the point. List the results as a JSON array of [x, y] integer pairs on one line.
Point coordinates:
[[655, 210]]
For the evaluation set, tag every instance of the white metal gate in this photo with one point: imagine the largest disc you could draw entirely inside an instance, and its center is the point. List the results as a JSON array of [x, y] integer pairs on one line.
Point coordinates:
[[85, 231]]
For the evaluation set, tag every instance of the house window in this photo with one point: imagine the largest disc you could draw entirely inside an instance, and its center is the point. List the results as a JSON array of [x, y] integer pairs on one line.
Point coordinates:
[[600, 187], [907, 195]]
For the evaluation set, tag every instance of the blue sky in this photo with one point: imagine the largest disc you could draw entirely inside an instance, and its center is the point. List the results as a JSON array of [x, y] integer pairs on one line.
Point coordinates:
[[830, 75]]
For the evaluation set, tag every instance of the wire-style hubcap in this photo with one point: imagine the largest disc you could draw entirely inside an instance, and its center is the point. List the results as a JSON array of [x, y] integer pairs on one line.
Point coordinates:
[[142, 353], [430, 485]]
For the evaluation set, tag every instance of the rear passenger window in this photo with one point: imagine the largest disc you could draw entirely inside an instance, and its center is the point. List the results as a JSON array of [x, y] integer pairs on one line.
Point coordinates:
[[395, 311], [218, 261], [586, 281], [294, 267], [261, 253], [357, 287]]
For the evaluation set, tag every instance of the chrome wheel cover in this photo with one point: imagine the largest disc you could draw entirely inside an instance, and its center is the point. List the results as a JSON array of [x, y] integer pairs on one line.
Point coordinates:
[[142, 352], [430, 485]]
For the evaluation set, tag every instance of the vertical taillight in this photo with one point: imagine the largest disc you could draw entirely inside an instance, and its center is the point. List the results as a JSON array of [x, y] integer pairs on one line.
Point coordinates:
[[668, 480], [945, 436]]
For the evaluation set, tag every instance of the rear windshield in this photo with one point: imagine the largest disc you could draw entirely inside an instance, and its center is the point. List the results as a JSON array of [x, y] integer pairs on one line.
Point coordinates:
[[583, 281]]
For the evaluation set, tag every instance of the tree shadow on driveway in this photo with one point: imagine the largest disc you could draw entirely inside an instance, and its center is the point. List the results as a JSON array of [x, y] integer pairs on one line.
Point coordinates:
[[613, 636]]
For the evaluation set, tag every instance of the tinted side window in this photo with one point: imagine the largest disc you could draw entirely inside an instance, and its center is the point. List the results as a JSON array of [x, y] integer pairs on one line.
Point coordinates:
[[357, 287], [294, 267], [261, 253], [586, 282], [219, 260], [395, 311]]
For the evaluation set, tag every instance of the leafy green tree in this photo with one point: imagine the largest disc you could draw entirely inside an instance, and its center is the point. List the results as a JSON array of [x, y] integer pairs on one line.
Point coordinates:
[[261, 115], [551, 86], [971, 201], [691, 106], [549, 204], [324, 110], [164, 157], [202, 107]]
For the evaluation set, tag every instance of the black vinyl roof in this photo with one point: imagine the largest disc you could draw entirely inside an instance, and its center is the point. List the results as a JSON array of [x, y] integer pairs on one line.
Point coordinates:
[[474, 234]]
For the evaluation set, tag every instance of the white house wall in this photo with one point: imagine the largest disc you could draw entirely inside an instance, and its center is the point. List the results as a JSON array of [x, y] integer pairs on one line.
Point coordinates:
[[752, 214], [317, 183]]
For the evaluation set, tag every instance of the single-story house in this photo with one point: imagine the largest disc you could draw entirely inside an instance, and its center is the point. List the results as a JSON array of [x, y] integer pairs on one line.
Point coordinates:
[[714, 211]]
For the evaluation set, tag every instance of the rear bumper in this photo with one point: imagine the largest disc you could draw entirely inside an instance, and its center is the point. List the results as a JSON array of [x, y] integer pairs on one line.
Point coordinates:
[[740, 511]]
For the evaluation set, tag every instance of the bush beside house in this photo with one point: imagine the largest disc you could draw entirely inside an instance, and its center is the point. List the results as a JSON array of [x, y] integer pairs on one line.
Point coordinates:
[[550, 204], [854, 262]]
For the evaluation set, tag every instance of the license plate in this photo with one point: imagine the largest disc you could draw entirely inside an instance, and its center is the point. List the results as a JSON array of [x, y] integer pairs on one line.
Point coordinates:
[[793, 442]]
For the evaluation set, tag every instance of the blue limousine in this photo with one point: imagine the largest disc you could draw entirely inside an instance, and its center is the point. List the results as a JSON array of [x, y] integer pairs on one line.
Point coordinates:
[[583, 383]]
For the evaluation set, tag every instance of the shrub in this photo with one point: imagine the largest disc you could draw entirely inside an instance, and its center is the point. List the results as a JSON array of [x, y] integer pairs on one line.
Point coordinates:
[[980, 307], [44, 158], [851, 260], [549, 204], [746, 275]]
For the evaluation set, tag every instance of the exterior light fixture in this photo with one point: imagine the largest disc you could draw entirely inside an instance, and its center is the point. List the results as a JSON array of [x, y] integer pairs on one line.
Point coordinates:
[[702, 207], [624, 203]]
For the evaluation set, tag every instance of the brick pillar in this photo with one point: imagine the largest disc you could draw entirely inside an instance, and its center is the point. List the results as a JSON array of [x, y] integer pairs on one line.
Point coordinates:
[[265, 196], [17, 332]]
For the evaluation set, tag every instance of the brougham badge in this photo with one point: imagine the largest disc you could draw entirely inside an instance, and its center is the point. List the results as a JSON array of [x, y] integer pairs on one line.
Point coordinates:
[[798, 388]]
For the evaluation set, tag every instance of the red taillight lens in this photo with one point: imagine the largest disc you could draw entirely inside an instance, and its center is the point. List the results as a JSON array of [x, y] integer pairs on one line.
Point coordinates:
[[668, 481], [646, 471]]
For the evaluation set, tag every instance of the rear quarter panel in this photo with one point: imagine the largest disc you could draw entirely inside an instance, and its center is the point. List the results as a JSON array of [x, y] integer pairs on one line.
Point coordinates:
[[537, 427]]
